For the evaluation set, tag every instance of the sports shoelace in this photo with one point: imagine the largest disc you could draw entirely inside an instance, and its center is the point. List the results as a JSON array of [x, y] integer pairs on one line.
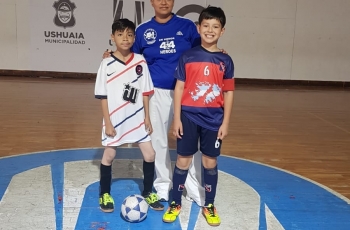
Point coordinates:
[[153, 197], [211, 211], [107, 199], [172, 208]]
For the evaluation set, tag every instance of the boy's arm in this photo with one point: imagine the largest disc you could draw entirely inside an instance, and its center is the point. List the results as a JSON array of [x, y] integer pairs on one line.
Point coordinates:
[[180, 75], [105, 112], [109, 129], [228, 104], [177, 126], [101, 93], [148, 124], [228, 89], [146, 105], [147, 90], [178, 91]]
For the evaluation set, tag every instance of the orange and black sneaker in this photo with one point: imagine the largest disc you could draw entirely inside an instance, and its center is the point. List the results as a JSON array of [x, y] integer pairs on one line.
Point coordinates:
[[210, 214], [171, 214]]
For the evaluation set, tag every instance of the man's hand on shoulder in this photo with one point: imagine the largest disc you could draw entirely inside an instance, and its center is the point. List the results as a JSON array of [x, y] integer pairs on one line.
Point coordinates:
[[106, 54], [222, 50]]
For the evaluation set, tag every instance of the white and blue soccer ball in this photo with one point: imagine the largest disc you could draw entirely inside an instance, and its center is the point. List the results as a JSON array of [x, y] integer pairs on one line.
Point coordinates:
[[134, 208]]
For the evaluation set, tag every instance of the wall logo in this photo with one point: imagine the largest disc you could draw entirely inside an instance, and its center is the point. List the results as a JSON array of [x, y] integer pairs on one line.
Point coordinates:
[[64, 18], [64, 13]]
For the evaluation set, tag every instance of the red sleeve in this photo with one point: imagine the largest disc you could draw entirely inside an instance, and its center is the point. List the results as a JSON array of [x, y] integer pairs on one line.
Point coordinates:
[[148, 93], [229, 84]]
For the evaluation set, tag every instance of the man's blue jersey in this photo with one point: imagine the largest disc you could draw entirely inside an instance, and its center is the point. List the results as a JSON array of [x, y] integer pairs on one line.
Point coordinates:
[[163, 44]]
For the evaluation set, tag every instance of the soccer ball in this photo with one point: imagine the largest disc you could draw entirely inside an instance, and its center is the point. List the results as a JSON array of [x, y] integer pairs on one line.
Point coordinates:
[[134, 208]]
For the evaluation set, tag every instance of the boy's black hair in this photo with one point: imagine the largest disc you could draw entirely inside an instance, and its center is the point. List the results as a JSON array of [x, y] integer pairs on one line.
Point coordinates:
[[212, 12], [123, 24]]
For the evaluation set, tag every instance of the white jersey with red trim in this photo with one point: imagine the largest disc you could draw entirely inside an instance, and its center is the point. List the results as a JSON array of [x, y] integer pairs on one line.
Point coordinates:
[[124, 84]]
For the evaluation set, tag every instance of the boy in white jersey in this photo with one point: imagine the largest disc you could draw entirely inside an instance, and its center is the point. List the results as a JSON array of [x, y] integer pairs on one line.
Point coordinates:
[[123, 85]]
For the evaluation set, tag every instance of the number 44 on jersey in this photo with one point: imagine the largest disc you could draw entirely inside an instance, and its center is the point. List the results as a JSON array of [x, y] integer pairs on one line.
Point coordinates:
[[167, 45]]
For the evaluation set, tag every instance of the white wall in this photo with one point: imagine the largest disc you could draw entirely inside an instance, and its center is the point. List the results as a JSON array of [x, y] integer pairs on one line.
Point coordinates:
[[289, 39], [8, 35], [322, 40], [268, 39]]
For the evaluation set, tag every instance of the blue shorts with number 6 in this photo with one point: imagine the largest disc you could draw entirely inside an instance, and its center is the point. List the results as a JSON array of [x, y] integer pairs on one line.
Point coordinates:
[[210, 145]]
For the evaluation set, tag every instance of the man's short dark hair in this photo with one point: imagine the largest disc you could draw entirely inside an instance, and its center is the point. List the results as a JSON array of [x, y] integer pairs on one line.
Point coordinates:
[[212, 12], [123, 24]]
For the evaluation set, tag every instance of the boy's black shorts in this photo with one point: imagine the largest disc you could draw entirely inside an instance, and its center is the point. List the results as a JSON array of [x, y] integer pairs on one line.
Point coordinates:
[[209, 143]]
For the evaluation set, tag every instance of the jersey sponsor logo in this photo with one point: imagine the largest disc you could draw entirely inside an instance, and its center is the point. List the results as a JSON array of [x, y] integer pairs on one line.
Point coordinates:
[[167, 45], [64, 13], [150, 36], [109, 74], [130, 93], [139, 69]]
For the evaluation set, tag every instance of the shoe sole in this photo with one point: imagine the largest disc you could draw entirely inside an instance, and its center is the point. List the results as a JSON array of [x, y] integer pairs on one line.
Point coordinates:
[[106, 210], [211, 224], [156, 209], [168, 221]]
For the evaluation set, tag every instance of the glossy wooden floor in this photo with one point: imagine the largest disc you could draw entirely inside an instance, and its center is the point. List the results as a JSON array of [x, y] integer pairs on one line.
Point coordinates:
[[305, 131]]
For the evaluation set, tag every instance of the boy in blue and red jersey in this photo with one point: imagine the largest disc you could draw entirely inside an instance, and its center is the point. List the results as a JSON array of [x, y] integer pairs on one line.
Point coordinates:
[[203, 100]]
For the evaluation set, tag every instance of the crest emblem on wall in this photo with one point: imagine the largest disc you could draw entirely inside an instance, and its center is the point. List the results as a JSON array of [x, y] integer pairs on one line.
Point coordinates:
[[64, 13]]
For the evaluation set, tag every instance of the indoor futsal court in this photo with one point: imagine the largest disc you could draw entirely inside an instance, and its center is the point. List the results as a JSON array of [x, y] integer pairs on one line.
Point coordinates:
[[285, 164]]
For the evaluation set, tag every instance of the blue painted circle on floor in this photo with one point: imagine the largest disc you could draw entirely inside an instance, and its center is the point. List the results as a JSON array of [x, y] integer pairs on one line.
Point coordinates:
[[295, 202]]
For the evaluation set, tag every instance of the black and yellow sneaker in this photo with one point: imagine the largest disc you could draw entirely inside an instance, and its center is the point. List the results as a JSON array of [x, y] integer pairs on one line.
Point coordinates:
[[106, 203], [153, 202], [171, 214]]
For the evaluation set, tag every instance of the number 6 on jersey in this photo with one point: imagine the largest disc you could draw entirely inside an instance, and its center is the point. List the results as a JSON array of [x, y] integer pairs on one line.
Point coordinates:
[[206, 71]]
